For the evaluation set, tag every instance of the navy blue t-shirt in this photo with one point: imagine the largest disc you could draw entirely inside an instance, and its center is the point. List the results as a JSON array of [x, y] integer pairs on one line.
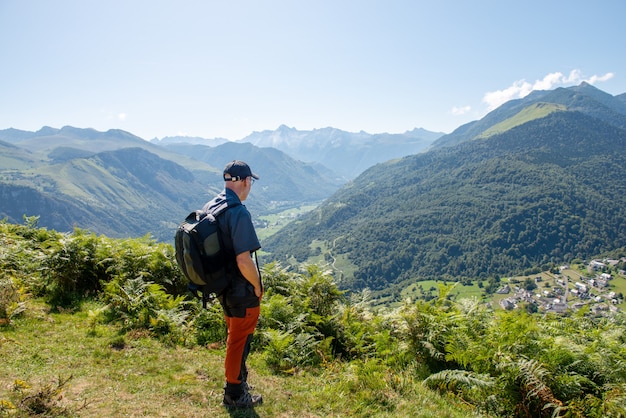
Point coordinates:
[[238, 236], [237, 229]]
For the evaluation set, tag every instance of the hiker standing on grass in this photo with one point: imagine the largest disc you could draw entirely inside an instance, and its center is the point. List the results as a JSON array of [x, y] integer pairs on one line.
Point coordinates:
[[241, 300]]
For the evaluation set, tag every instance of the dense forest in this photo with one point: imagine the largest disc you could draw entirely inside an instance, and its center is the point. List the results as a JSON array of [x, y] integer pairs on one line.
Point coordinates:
[[501, 363], [547, 191]]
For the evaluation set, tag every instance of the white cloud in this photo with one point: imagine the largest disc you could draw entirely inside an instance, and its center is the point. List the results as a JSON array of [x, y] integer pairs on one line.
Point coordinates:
[[595, 78], [553, 79], [522, 88], [458, 111], [574, 77], [519, 89], [121, 116]]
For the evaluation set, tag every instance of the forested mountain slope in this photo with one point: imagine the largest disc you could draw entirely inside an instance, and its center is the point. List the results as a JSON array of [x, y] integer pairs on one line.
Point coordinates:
[[548, 190]]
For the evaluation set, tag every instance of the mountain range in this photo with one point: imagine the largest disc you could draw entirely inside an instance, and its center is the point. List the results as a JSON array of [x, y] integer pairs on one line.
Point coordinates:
[[538, 181], [118, 184], [345, 153]]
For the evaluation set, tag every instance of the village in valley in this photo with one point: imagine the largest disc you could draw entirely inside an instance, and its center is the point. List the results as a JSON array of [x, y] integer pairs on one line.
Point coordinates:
[[598, 286]]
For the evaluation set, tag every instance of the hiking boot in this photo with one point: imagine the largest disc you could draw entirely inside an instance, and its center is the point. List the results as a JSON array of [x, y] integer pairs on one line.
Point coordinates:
[[245, 400]]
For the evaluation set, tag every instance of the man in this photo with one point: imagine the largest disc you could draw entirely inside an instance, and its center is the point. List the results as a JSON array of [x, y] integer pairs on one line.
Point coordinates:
[[241, 300]]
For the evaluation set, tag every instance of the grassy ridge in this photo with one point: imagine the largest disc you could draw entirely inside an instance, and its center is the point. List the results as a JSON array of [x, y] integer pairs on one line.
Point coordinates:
[[95, 326], [135, 375], [129, 350], [535, 111]]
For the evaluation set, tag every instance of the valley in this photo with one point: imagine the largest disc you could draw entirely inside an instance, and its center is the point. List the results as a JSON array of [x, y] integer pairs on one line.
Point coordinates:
[[267, 225]]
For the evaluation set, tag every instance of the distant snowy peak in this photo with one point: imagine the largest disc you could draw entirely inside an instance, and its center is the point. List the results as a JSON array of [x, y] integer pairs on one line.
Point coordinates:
[[347, 153]]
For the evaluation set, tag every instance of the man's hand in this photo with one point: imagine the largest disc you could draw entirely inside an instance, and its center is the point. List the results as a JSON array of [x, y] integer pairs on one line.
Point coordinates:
[[248, 269]]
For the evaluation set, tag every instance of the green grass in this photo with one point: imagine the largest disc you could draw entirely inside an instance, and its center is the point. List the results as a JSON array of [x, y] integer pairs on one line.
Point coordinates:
[[536, 111], [420, 289], [274, 222], [339, 263], [106, 374]]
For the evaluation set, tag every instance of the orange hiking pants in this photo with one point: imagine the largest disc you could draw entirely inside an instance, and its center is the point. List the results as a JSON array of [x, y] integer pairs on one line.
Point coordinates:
[[240, 331]]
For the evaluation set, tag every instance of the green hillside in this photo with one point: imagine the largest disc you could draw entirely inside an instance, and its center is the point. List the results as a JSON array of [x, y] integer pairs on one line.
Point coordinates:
[[546, 191], [535, 111], [15, 158], [128, 192], [50, 145], [93, 326]]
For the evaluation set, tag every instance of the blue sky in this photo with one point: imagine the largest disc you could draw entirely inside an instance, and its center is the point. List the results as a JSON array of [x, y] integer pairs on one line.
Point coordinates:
[[228, 68]]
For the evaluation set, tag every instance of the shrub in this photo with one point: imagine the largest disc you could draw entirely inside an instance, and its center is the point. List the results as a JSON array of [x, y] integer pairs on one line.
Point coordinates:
[[11, 301], [209, 325], [138, 304], [21, 252], [46, 401], [286, 351], [144, 257], [71, 269]]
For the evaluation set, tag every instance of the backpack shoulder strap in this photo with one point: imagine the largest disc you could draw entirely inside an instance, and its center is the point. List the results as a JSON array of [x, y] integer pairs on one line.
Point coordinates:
[[223, 207]]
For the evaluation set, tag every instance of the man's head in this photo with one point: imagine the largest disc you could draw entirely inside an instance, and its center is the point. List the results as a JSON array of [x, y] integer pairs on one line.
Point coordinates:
[[239, 177]]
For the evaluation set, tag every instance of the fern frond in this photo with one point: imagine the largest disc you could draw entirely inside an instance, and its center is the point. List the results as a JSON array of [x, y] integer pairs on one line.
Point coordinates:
[[456, 380]]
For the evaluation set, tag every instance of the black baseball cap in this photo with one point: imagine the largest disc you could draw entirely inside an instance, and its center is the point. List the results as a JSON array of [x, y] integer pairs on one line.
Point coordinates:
[[238, 170]]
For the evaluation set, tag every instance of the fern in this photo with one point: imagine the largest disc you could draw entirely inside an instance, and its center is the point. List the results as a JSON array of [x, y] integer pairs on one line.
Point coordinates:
[[458, 380]]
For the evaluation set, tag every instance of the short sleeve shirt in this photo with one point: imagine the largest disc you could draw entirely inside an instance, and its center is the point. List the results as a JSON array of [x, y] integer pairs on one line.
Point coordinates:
[[239, 235]]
